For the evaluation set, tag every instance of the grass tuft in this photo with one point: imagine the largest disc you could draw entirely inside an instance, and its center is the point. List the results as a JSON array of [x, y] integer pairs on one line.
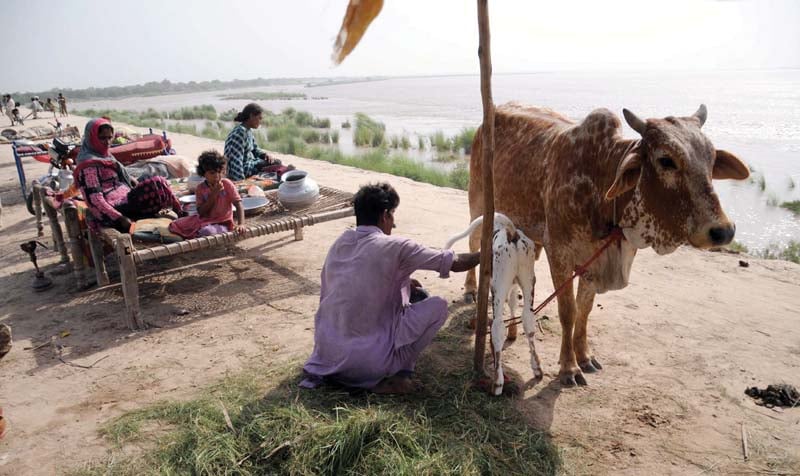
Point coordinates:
[[278, 428], [368, 132], [793, 206]]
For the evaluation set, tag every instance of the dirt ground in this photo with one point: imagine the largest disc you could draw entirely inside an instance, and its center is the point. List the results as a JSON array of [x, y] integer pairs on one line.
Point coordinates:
[[679, 345]]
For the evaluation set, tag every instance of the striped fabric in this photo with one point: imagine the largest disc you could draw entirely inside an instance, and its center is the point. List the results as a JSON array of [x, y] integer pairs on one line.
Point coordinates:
[[242, 153]]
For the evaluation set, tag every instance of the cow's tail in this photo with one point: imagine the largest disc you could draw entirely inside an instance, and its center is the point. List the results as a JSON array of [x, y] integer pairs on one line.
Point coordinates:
[[499, 220]]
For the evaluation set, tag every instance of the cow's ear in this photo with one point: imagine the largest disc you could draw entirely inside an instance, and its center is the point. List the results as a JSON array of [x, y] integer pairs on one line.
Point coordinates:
[[627, 175], [728, 166]]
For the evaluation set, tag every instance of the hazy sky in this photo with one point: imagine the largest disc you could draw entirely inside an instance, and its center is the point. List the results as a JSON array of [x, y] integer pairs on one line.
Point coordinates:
[[80, 43]]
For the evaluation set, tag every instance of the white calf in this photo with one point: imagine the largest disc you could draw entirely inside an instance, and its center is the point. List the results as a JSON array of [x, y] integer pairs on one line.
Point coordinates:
[[514, 257]]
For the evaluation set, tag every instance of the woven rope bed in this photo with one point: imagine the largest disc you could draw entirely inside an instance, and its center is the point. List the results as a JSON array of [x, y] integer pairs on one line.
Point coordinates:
[[332, 204]]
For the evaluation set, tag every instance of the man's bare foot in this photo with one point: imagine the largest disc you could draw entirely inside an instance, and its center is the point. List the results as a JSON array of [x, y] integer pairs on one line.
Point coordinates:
[[395, 385]]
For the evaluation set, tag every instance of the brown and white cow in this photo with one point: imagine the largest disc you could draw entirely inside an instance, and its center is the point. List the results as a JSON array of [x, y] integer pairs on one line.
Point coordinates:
[[566, 184]]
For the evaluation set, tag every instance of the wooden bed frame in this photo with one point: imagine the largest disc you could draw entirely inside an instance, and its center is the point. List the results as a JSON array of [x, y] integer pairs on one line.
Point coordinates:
[[332, 205]]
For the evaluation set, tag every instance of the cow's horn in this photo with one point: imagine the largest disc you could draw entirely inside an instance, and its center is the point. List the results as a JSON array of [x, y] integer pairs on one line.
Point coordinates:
[[636, 124], [701, 114]]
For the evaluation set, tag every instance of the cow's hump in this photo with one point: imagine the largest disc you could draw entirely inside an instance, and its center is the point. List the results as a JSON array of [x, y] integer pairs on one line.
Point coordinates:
[[601, 125]]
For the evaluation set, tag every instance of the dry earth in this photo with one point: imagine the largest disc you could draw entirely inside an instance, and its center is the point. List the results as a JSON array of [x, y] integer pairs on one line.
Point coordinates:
[[679, 345]]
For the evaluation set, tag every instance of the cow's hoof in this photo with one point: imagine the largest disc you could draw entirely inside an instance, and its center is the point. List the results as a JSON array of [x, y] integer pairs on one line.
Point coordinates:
[[589, 366], [596, 364], [571, 380], [469, 298]]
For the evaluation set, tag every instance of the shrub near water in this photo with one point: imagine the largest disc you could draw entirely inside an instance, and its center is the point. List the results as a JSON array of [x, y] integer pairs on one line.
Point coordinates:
[[368, 132]]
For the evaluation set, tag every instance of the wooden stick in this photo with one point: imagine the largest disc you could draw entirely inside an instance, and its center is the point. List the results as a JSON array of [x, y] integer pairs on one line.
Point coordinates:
[[487, 155], [75, 243], [744, 443], [227, 417], [130, 287]]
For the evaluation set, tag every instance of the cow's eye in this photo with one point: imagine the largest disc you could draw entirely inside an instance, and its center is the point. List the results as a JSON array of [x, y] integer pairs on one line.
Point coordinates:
[[667, 163]]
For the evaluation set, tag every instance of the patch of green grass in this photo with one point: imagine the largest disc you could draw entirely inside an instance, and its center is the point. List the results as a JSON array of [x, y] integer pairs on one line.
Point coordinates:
[[440, 141], [420, 143], [228, 115], [793, 206], [277, 428], [790, 252], [405, 144], [335, 137], [151, 117], [737, 247], [464, 140], [264, 96], [762, 182], [368, 132]]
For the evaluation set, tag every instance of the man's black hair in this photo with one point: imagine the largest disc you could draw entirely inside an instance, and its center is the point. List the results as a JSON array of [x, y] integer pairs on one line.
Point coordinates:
[[210, 160], [372, 200]]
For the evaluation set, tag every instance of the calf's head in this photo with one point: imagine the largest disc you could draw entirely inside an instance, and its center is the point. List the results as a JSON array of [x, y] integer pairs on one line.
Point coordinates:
[[670, 173]]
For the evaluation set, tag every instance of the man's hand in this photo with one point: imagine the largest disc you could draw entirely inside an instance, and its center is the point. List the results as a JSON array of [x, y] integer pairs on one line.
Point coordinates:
[[239, 229], [465, 262]]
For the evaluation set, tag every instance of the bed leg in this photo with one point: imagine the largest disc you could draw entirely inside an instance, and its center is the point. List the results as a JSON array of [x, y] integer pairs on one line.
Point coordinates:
[[74, 234], [96, 247], [130, 287]]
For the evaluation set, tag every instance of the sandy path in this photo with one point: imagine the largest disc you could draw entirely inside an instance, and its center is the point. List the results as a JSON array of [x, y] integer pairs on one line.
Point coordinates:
[[679, 345]]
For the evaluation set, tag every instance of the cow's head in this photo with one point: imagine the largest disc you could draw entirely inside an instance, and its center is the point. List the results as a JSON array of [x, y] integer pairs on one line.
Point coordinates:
[[670, 173]]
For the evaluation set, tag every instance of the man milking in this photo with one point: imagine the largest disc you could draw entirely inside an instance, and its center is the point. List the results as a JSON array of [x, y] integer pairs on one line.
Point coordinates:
[[369, 331]]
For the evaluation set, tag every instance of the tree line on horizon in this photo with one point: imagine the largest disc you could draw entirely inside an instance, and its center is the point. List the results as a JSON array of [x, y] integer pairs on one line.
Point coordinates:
[[156, 88]]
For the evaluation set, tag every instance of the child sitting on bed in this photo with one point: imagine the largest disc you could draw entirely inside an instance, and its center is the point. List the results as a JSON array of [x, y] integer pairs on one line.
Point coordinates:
[[214, 199]]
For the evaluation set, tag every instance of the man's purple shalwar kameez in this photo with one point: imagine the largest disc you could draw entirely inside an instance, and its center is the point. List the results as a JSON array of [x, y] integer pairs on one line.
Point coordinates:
[[365, 328]]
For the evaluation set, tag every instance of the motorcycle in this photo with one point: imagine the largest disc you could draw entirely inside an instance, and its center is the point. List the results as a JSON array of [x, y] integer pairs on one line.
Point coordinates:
[[59, 173]]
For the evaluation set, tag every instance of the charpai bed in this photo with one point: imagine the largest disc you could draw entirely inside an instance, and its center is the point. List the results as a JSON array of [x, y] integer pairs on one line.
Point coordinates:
[[332, 204]]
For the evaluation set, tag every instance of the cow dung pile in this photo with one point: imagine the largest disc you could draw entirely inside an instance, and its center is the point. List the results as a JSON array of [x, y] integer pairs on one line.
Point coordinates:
[[777, 395]]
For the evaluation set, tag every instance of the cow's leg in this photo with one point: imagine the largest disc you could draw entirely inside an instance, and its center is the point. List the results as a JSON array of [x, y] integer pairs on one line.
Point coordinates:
[[569, 373], [527, 283], [585, 301]]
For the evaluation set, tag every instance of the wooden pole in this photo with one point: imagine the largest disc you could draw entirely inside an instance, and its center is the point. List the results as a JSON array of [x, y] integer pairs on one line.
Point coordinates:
[[487, 155]]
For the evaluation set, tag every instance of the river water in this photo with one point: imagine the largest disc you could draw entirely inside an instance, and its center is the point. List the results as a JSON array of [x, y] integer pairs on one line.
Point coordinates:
[[754, 113]]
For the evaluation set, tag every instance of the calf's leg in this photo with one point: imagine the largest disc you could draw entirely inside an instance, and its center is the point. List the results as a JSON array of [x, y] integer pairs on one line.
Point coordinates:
[[502, 282], [470, 282], [527, 283]]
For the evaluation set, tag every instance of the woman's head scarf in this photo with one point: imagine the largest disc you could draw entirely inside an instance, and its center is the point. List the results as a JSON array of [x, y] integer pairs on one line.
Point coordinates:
[[92, 148]]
